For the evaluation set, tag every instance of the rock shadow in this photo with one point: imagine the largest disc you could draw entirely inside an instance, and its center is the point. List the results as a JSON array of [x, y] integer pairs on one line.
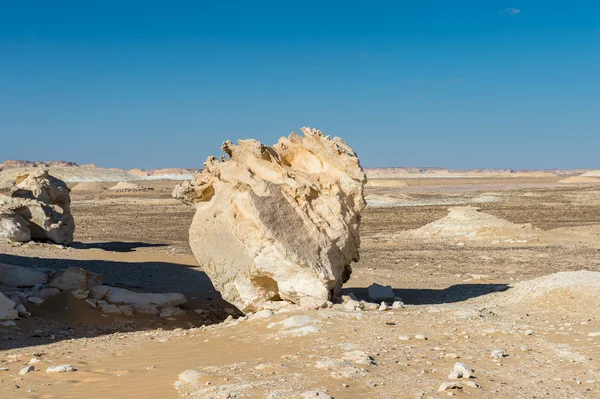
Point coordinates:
[[425, 296], [64, 317], [116, 246]]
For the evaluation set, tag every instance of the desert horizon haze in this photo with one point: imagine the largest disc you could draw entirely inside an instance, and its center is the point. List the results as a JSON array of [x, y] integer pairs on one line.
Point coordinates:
[[154, 85]]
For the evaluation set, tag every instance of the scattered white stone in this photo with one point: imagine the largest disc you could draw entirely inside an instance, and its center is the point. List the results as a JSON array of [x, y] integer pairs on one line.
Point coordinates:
[[80, 294], [263, 314], [127, 310], [108, 307], [454, 375], [449, 385], [594, 334], [379, 292], [171, 311], [63, 368], [358, 357], [465, 370], [300, 332], [525, 348], [529, 332], [26, 370], [190, 375], [296, 321], [404, 338], [8, 323], [498, 354], [471, 384], [199, 311], [35, 300], [35, 360], [383, 306], [397, 304], [420, 336]]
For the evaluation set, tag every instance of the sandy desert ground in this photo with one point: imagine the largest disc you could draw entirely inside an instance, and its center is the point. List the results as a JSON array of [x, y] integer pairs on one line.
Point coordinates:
[[504, 269]]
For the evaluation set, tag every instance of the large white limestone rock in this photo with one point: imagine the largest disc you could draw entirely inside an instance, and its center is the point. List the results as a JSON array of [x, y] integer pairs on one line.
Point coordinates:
[[278, 223], [38, 208]]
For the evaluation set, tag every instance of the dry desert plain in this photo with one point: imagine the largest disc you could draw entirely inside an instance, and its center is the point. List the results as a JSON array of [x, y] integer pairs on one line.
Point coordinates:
[[502, 270]]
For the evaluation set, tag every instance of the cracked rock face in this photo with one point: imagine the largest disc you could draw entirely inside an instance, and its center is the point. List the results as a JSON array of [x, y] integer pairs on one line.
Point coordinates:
[[278, 223], [39, 209]]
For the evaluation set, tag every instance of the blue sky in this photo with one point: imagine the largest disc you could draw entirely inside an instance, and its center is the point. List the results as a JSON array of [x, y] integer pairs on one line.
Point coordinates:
[[462, 84]]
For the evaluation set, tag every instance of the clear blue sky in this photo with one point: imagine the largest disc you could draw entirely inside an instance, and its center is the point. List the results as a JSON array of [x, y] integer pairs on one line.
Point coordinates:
[[458, 84]]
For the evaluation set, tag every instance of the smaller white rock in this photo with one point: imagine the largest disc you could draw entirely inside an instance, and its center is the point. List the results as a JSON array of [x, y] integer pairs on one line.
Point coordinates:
[[63, 368], [498, 354], [35, 300], [420, 336], [466, 371], [383, 307], [263, 314], [454, 375], [35, 360], [594, 334], [26, 370]]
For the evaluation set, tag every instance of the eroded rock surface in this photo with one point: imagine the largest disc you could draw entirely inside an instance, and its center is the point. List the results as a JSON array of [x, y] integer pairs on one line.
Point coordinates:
[[278, 223], [38, 208]]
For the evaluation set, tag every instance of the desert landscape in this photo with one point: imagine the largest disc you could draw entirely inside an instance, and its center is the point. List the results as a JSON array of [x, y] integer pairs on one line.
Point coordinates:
[[470, 284]]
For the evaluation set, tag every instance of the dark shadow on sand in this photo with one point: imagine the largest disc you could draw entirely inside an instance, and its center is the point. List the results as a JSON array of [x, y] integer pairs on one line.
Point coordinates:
[[65, 317], [455, 293], [116, 246]]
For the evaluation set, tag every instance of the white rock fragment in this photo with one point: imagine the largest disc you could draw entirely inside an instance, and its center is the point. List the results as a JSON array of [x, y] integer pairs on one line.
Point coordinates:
[[358, 357], [63, 368], [35, 300], [498, 354], [594, 334], [449, 385], [462, 368], [190, 376], [454, 375], [263, 314], [383, 307], [26, 370], [127, 310], [295, 321], [421, 337], [171, 311], [397, 305]]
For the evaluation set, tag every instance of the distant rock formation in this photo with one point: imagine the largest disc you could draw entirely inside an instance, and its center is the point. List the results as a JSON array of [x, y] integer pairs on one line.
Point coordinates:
[[278, 223], [592, 173], [38, 208]]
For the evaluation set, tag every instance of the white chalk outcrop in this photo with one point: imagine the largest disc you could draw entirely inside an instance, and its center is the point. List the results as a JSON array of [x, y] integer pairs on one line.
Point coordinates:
[[278, 223], [38, 208]]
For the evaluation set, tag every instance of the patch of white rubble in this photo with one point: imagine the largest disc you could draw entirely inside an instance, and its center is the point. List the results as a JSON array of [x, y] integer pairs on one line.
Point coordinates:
[[20, 286]]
